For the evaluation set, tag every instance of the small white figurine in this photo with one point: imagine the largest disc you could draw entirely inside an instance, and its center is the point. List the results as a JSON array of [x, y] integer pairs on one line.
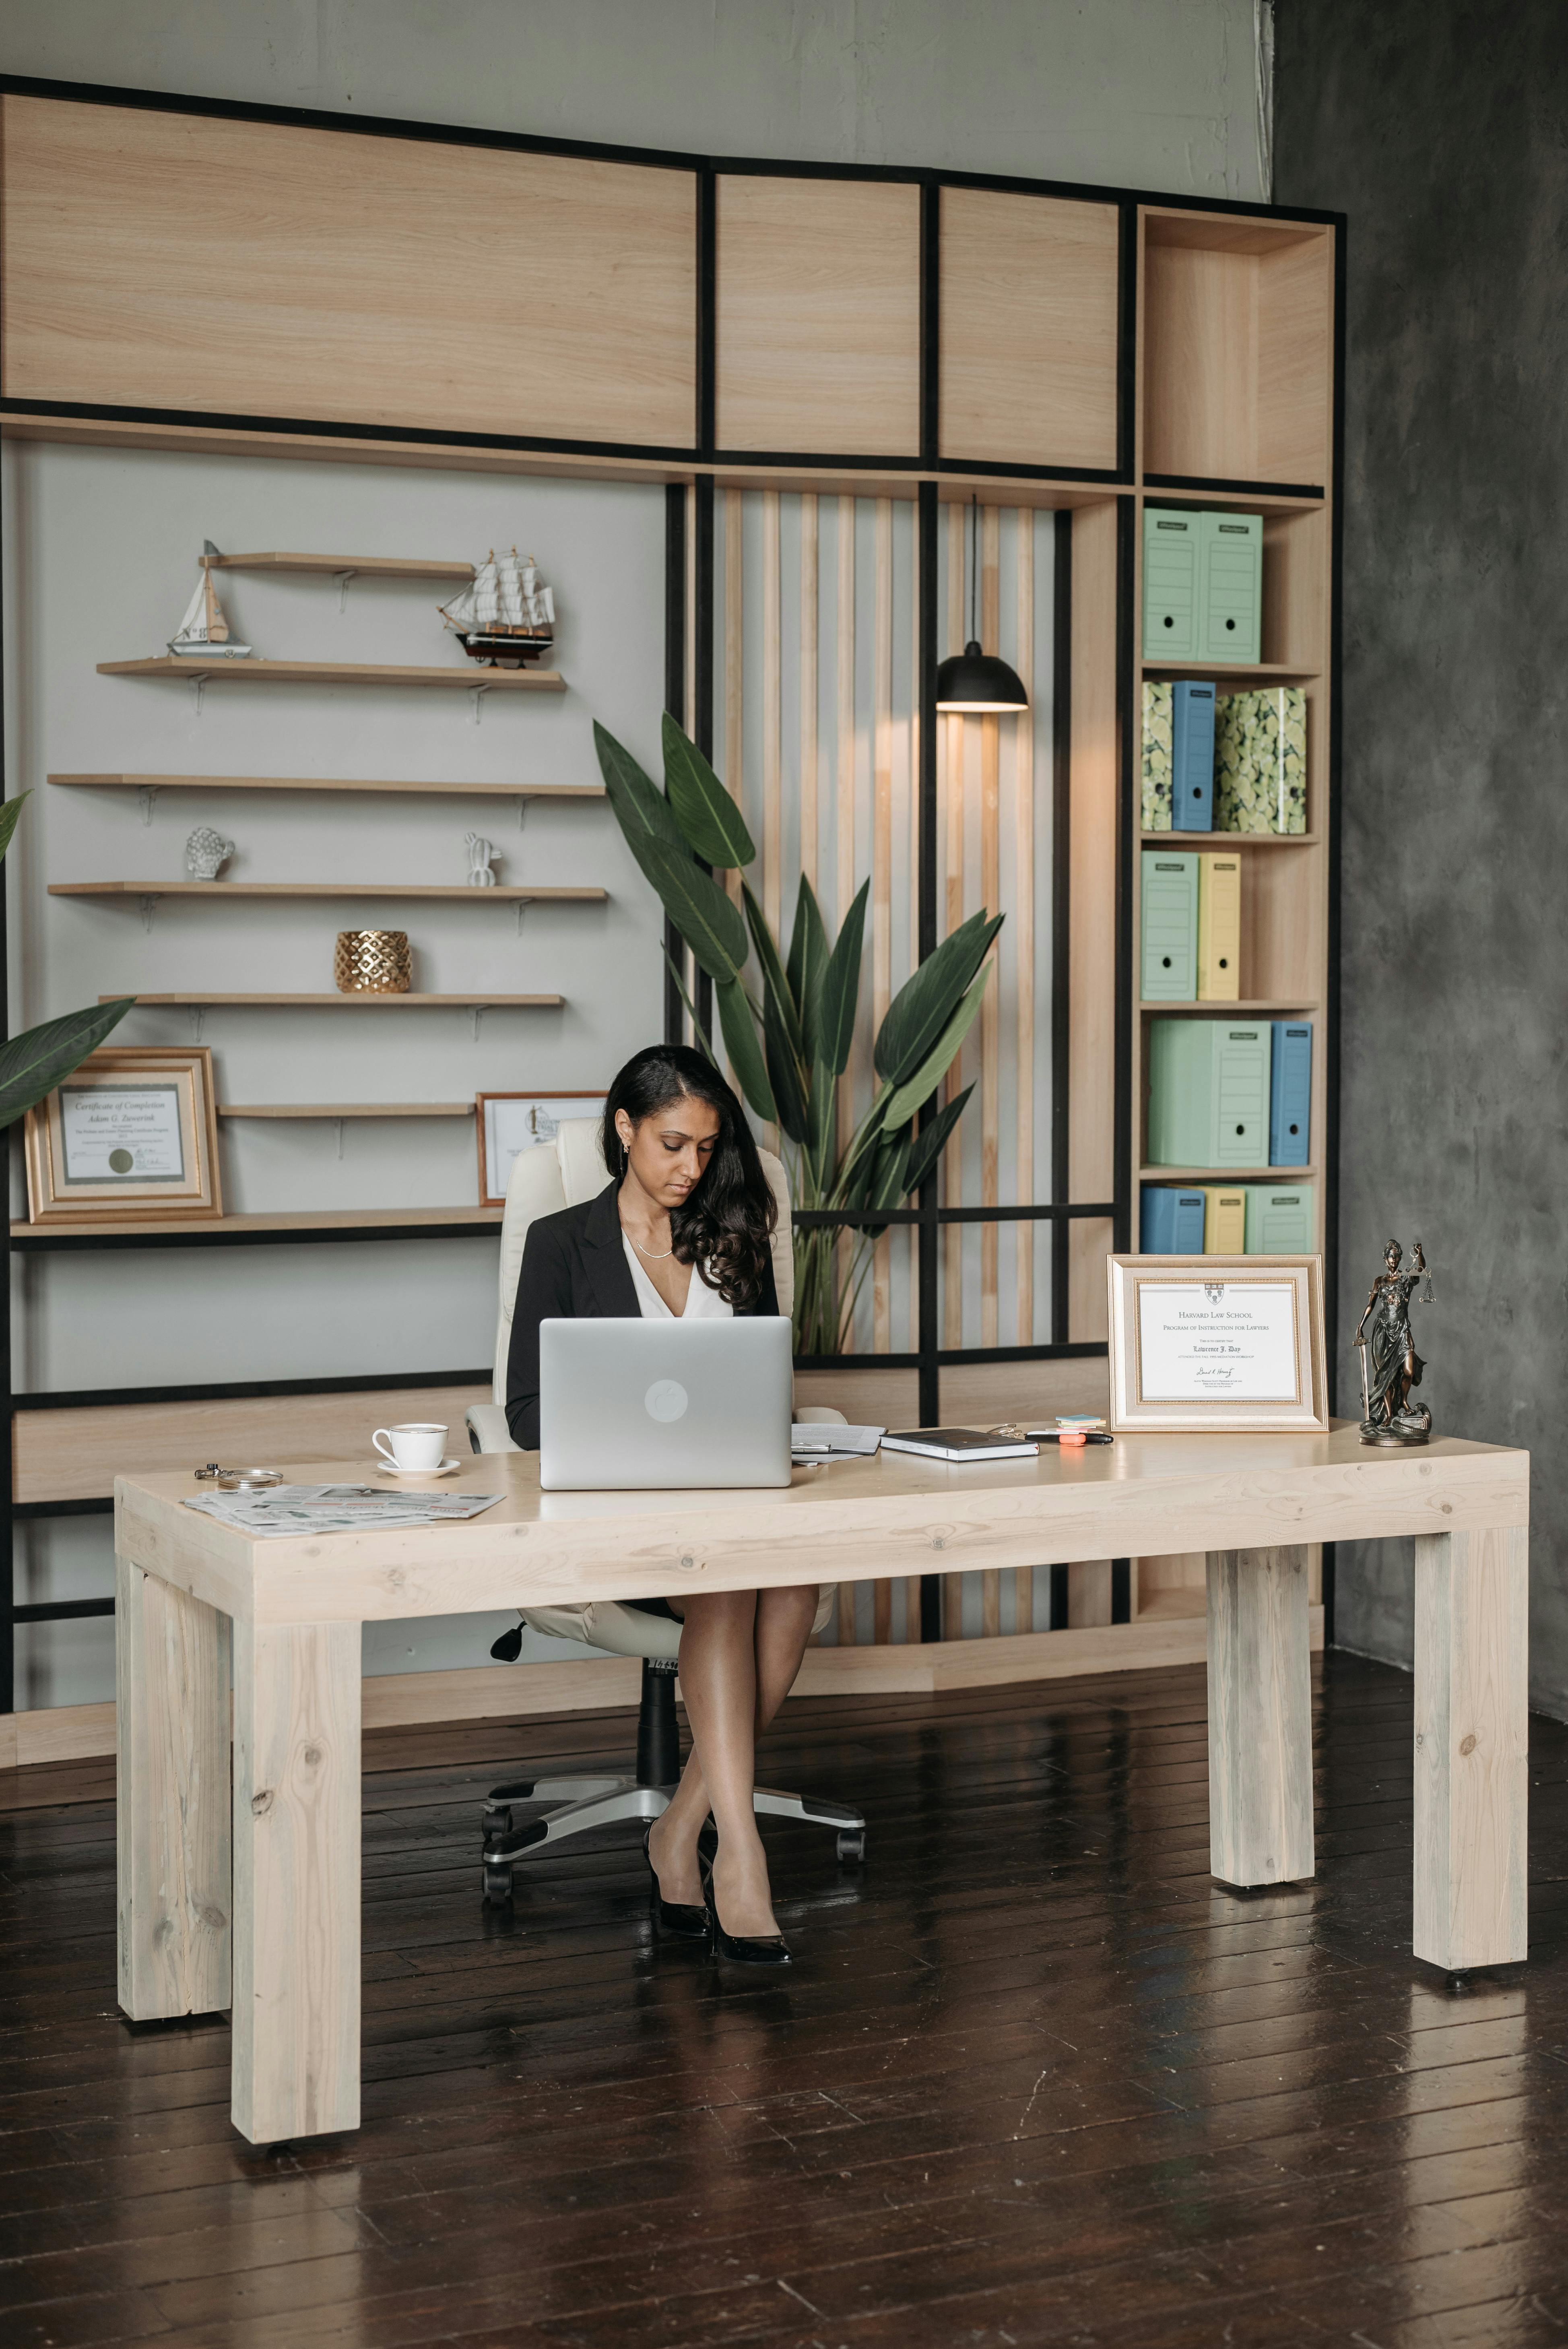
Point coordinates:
[[206, 852], [481, 852]]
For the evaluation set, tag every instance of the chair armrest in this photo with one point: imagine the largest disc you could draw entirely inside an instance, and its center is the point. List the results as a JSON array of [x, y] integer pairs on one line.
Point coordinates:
[[488, 1430]]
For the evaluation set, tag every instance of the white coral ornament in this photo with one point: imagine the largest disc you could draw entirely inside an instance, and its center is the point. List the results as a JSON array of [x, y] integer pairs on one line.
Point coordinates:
[[206, 852]]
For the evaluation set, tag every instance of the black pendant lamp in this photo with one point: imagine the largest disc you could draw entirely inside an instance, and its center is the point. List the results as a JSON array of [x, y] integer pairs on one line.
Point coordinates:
[[974, 683]]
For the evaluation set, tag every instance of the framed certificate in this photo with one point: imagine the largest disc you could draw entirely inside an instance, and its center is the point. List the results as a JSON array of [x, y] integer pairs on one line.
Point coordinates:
[[509, 1124], [1217, 1341], [130, 1135]]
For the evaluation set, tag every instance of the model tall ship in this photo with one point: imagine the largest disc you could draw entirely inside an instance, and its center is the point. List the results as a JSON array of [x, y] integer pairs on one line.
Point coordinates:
[[507, 616], [204, 631]]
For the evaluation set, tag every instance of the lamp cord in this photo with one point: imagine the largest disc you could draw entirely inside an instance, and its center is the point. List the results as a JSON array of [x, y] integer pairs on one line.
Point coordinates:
[[973, 561]]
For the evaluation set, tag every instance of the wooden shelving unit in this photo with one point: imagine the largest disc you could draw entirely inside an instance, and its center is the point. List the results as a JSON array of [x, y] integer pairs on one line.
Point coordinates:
[[291, 672], [341, 566], [330, 1109], [217, 1231], [201, 999], [458, 890], [1236, 408], [329, 784]]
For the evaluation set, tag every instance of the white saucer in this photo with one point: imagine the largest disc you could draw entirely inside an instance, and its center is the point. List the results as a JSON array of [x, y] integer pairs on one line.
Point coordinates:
[[386, 1468]]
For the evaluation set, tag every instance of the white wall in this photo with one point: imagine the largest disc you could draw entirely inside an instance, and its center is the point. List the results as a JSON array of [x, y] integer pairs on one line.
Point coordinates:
[[101, 548], [1135, 93]]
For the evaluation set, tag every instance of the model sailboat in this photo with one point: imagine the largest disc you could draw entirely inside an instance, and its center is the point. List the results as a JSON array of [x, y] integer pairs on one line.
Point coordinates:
[[507, 616], [204, 631]]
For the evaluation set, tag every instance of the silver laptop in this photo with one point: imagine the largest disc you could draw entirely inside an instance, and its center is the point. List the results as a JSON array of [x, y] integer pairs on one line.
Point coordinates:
[[651, 1405]]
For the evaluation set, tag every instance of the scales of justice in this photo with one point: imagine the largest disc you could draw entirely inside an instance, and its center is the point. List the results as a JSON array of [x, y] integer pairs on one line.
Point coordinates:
[[1390, 1366]]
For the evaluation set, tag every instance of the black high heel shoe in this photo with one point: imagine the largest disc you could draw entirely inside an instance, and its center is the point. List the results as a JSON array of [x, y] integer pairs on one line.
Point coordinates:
[[743, 1949], [680, 1918]]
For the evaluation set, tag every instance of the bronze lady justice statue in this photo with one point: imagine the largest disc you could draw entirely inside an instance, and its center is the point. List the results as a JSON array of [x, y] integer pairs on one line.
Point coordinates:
[[1390, 1366]]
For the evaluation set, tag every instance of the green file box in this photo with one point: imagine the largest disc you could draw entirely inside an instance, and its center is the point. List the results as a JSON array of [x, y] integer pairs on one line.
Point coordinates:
[[1279, 1219], [1168, 908], [1172, 561], [1209, 1092], [1231, 584], [1158, 721]]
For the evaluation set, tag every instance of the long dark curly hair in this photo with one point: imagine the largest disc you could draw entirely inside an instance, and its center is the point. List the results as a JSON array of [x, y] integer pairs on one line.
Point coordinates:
[[724, 1224]]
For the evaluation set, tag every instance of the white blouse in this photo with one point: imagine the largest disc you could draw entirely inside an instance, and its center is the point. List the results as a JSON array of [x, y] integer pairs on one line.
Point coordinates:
[[702, 1303]]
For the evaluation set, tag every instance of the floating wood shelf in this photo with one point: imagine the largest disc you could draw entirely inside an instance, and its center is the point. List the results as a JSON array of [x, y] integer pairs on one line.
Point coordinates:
[[218, 1231], [347, 1109], [1286, 1006], [1238, 672], [288, 672], [334, 566], [201, 999], [498, 895], [329, 784], [1229, 839], [1227, 1173]]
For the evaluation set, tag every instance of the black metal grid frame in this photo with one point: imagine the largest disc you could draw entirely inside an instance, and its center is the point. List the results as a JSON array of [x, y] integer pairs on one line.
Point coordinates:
[[693, 462]]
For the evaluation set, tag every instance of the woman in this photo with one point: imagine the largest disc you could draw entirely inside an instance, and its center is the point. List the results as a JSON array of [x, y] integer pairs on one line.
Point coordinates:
[[681, 1231]]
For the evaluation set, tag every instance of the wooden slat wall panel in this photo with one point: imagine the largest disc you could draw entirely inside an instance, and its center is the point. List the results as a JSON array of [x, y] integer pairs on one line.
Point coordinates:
[[952, 782], [76, 1452], [881, 855], [1024, 929], [990, 898], [1028, 329], [772, 841], [818, 315], [167, 261], [810, 624], [734, 660], [1092, 948]]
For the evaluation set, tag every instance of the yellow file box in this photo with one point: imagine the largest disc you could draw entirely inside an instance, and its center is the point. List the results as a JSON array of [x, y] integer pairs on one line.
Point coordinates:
[[1224, 1219], [1220, 927]]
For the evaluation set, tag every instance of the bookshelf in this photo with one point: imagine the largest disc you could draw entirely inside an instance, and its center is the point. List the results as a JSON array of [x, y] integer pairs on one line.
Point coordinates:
[[190, 671]]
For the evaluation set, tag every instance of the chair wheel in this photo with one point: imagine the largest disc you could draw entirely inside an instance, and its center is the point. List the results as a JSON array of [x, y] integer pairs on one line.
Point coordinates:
[[852, 1843], [498, 1820], [498, 1887]]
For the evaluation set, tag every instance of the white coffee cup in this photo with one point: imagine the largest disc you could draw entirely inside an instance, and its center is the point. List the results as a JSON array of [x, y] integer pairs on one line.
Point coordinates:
[[418, 1443]]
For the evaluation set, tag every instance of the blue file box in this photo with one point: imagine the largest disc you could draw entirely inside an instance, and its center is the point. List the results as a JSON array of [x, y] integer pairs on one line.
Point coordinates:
[[1192, 755], [1290, 1094], [1170, 1222]]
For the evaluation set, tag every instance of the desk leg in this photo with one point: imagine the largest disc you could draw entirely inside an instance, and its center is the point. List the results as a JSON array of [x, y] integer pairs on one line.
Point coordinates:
[[296, 1879], [171, 1805], [1472, 1774], [1260, 1717]]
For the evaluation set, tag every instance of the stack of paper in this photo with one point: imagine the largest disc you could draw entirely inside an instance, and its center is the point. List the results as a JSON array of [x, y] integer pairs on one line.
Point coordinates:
[[297, 1509]]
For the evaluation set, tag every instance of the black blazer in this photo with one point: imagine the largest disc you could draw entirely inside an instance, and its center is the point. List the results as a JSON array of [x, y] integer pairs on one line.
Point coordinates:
[[574, 1268]]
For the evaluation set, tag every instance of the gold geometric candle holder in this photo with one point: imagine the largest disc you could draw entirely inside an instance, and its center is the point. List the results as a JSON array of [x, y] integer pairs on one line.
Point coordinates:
[[373, 962]]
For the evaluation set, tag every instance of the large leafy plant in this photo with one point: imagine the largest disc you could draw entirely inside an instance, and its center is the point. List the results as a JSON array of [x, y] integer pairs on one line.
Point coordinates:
[[33, 1064], [789, 1045]]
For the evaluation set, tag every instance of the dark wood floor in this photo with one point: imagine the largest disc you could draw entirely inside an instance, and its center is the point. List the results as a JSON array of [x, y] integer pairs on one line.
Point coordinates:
[[1034, 2078]]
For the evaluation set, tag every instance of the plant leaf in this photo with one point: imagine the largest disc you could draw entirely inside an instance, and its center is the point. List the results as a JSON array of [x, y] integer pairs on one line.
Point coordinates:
[[10, 815], [641, 808], [709, 818], [737, 1019], [808, 961], [924, 1005], [704, 1043], [906, 1098], [709, 921], [784, 1073], [34, 1064], [775, 985], [928, 1145], [841, 988]]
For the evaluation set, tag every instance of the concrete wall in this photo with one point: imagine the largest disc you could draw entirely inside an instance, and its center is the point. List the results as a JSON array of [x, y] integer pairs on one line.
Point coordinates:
[[1143, 93], [1439, 127]]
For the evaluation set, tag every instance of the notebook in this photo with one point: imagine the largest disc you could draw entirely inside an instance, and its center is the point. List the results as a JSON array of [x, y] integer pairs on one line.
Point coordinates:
[[957, 1444]]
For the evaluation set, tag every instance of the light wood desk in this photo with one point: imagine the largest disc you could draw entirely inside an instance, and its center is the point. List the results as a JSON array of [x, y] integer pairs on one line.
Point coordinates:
[[265, 1917]]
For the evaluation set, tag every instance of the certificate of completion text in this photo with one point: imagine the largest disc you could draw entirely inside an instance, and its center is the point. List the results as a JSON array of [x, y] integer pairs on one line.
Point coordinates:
[[1217, 1341], [122, 1133]]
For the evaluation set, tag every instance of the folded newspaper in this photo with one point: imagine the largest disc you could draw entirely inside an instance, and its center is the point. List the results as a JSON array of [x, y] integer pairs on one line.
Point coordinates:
[[299, 1509]]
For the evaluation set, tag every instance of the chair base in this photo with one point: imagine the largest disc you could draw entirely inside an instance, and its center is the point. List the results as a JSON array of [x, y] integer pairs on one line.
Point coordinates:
[[585, 1805]]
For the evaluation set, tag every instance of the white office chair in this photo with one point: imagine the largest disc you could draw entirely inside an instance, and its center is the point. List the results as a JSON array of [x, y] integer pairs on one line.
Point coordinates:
[[543, 1181]]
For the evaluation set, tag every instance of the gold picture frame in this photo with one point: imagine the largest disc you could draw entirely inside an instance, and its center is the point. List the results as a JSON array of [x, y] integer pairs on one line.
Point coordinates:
[[497, 1149], [130, 1136], [1223, 1344]]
